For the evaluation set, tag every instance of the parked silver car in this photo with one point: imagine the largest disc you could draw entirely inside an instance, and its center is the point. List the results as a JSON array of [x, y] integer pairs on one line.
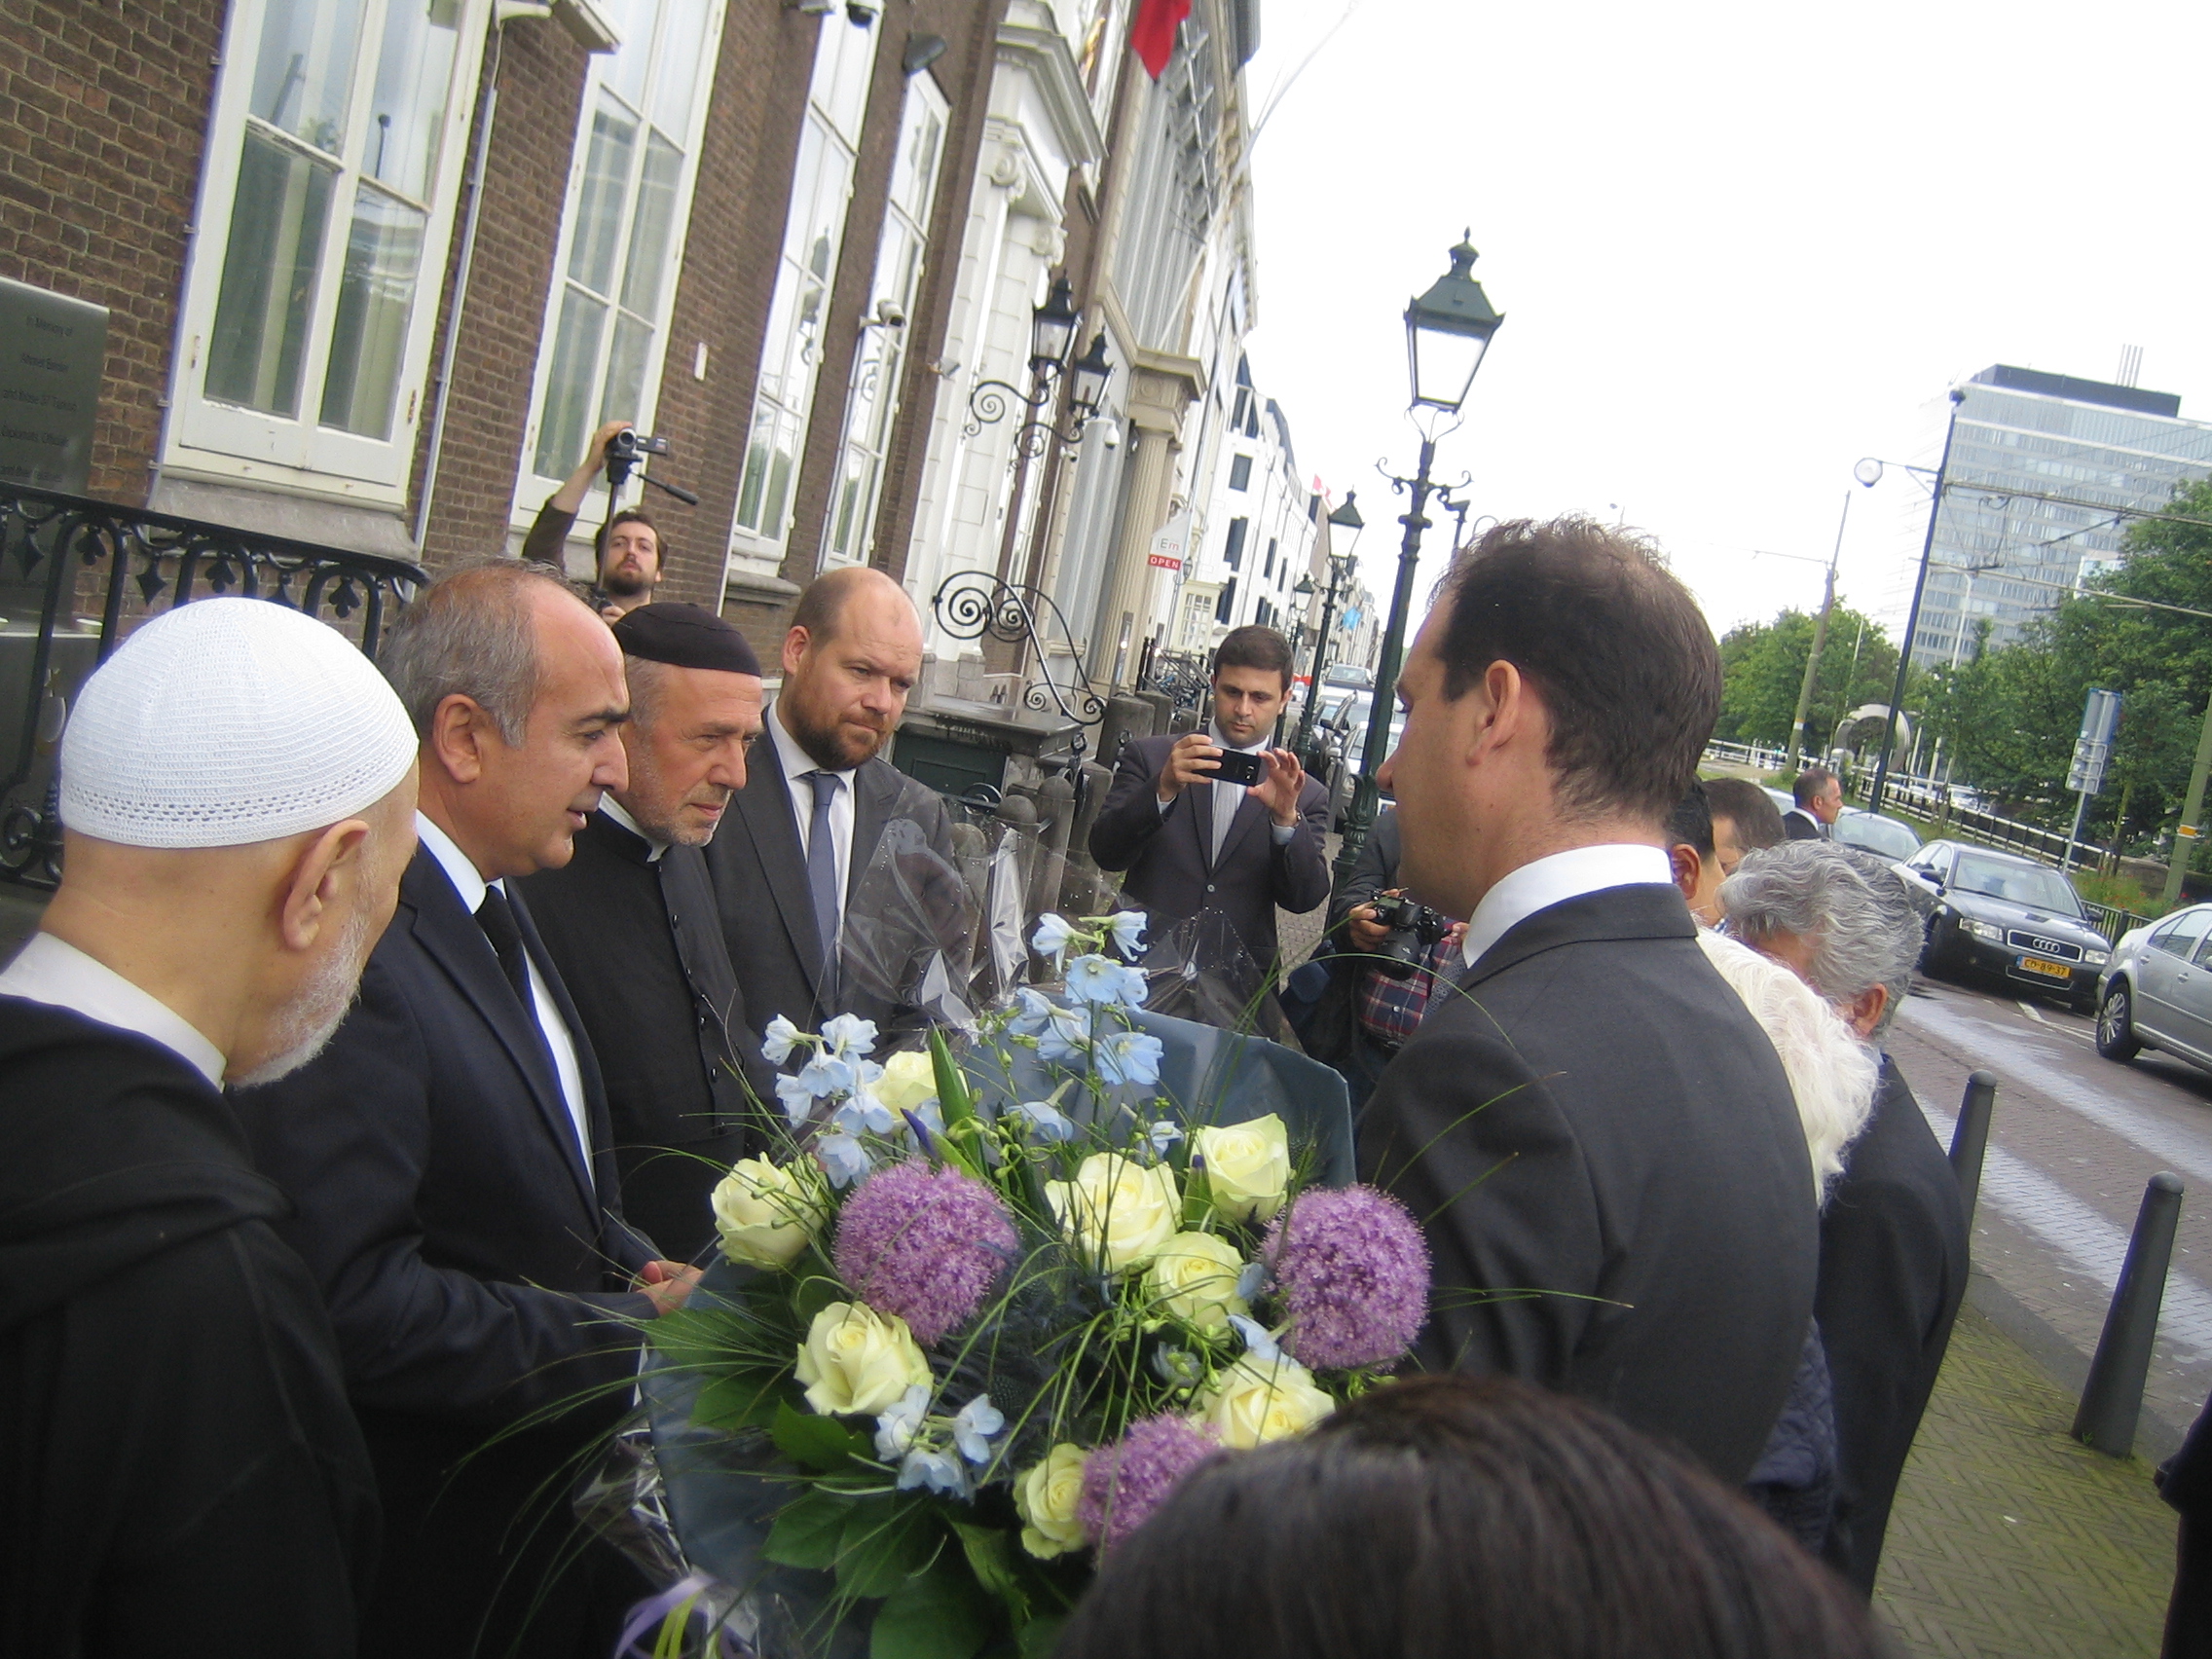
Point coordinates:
[[2157, 992]]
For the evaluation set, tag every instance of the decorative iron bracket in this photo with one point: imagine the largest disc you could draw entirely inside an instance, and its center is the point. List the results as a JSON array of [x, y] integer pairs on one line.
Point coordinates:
[[970, 604]]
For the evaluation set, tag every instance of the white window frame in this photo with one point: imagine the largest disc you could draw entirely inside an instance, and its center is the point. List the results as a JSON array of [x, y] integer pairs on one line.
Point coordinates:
[[227, 441], [764, 546], [531, 487], [869, 414]]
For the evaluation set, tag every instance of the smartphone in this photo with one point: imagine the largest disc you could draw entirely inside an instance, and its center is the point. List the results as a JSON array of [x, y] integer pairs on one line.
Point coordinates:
[[1238, 767]]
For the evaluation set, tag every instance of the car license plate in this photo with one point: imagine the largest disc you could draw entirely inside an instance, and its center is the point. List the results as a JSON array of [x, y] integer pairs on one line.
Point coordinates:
[[2048, 969]]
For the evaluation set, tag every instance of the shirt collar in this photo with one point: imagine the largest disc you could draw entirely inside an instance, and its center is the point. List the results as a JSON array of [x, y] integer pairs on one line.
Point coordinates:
[[796, 761], [1553, 880], [54, 972], [1213, 733], [613, 809], [468, 880]]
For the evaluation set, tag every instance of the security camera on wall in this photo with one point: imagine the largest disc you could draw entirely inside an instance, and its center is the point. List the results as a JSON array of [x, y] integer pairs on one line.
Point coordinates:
[[863, 13], [891, 313]]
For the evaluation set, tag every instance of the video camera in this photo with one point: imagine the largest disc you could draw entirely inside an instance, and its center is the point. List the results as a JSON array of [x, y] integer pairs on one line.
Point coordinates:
[[624, 451], [1413, 930]]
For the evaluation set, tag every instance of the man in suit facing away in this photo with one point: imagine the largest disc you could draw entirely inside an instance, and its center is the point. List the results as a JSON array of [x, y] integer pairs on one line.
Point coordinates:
[[449, 1156], [1600, 1141], [1818, 795], [1195, 846], [816, 807], [631, 925]]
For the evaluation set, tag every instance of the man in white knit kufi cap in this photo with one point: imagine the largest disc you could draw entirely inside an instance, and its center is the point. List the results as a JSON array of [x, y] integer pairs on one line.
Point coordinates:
[[238, 793]]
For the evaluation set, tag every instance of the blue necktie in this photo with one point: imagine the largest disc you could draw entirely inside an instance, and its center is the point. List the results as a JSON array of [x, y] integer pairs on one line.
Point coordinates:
[[821, 865]]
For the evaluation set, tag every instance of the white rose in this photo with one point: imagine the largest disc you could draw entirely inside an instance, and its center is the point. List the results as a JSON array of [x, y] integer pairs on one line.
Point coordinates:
[[1118, 1209], [766, 1215], [908, 1078], [1255, 1401], [1045, 1497], [1194, 1278], [1247, 1168], [856, 1362]]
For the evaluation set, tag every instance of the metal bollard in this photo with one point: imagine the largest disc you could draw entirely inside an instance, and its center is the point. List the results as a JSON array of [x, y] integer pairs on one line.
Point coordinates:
[[2113, 1398], [1970, 1138]]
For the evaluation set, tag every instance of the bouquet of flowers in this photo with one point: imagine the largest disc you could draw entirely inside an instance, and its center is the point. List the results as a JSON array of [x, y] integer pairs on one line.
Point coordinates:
[[985, 1309]]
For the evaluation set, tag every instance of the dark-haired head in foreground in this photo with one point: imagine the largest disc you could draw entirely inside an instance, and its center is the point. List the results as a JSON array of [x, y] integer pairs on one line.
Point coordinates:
[[1464, 1517]]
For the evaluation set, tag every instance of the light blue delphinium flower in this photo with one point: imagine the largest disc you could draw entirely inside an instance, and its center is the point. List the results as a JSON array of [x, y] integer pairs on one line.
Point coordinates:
[[1127, 929], [1065, 1038], [1033, 1012], [1258, 1343], [1251, 1281], [1045, 1121], [1130, 1056], [1135, 987], [861, 1113], [1164, 1134], [849, 1034], [896, 1428], [779, 1040], [972, 1428], [939, 1472], [922, 1126], [1099, 980], [844, 1159], [1051, 935]]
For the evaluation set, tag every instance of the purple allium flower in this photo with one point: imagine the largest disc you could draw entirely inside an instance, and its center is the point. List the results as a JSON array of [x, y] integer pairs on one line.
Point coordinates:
[[1124, 1483], [924, 1245], [1351, 1270]]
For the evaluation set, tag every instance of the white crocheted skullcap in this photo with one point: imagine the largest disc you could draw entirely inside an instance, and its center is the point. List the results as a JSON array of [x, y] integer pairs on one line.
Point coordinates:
[[227, 721]]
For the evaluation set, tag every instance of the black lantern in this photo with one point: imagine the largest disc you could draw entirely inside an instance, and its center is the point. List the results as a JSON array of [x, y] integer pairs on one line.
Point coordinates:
[[1051, 328], [1446, 331], [1346, 522], [1306, 588], [1092, 370]]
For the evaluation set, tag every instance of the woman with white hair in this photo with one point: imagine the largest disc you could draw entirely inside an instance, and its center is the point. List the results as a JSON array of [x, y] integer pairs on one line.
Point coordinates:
[[1892, 1234]]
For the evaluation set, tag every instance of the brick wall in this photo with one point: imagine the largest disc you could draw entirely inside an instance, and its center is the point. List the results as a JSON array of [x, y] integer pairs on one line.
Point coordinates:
[[539, 79], [104, 113]]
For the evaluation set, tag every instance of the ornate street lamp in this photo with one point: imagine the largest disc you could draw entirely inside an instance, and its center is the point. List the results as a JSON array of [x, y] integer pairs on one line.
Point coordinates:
[[1448, 331], [1346, 522], [1051, 338]]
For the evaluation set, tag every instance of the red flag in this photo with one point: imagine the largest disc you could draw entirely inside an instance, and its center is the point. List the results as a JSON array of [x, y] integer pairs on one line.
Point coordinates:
[[1151, 36]]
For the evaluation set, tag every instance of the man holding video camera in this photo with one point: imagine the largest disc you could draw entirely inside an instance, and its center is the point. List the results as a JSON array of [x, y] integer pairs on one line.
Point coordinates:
[[627, 550], [1216, 821]]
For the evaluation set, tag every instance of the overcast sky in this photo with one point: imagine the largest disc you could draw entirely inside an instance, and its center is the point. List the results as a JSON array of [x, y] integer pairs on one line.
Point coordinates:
[[1738, 247]]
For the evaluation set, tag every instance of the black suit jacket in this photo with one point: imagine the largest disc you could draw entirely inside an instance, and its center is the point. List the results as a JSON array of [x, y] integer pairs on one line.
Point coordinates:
[[767, 912], [1173, 873], [1599, 1125], [1892, 1271], [1799, 824], [639, 947]]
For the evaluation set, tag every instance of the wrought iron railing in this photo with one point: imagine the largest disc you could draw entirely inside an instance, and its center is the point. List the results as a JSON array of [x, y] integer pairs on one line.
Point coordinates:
[[970, 604], [1182, 677], [76, 574]]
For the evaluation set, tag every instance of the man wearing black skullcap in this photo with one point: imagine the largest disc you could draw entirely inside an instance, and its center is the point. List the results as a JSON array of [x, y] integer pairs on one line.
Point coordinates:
[[631, 922]]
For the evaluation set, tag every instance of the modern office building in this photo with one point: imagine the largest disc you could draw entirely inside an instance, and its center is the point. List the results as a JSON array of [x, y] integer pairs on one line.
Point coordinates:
[[2008, 552]]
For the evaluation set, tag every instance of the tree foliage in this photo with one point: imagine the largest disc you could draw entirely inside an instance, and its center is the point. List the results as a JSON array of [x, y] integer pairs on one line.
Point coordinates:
[[1763, 666]]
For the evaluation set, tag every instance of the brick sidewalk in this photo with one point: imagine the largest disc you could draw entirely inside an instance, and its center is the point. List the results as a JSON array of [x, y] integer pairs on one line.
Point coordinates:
[[2009, 1540]]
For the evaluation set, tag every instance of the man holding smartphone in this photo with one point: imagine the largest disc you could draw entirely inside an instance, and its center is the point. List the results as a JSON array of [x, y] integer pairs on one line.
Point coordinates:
[[1216, 821]]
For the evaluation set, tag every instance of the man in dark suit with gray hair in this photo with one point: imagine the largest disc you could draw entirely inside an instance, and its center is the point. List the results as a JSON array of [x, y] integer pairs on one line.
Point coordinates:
[[1599, 1137]]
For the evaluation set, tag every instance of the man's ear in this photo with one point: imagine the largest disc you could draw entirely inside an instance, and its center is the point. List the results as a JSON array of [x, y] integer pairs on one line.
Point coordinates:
[[795, 642], [1864, 1011], [459, 730], [1501, 707], [320, 875], [1689, 867]]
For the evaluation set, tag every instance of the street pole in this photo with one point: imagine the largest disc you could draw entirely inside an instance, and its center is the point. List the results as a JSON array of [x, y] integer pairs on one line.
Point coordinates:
[[1320, 652], [1359, 817], [1820, 639], [1912, 615], [2191, 829]]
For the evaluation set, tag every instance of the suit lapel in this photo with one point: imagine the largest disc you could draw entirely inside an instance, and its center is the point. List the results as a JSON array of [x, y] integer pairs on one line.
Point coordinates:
[[1200, 797], [587, 1063], [1249, 813], [765, 802], [451, 937]]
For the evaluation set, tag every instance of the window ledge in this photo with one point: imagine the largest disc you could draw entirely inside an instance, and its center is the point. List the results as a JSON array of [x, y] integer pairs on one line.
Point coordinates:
[[329, 524]]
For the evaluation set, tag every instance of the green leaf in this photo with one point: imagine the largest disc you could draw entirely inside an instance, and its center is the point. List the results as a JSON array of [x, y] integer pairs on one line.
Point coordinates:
[[944, 1614], [741, 1399], [885, 1543], [806, 1533], [818, 1443], [954, 1103], [1040, 1635], [990, 1558]]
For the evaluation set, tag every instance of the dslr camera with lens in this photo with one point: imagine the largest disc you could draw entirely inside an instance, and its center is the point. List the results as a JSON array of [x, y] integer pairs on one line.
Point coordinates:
[[1413, 930]]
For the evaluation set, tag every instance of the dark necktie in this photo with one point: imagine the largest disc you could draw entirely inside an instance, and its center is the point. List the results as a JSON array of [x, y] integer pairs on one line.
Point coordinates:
[[822, 863], [497, 917]]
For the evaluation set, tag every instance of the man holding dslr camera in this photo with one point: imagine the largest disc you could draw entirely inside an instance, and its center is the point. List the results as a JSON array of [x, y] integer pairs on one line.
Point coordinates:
[[628, 554], [1386, 951], [1216, 821]]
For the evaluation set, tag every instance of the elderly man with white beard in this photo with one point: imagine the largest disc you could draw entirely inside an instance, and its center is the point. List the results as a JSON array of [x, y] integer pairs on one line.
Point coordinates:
[[182, 1472]]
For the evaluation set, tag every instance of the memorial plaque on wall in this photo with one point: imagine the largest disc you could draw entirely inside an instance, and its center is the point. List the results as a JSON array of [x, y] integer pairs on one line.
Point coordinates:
[[51, 353]]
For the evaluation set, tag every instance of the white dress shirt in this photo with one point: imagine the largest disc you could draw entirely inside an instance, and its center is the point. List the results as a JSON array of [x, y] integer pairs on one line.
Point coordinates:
[[614, 810], [469, 881], [797, 764], [56, 972], [1553, 881], [1228, 798]]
